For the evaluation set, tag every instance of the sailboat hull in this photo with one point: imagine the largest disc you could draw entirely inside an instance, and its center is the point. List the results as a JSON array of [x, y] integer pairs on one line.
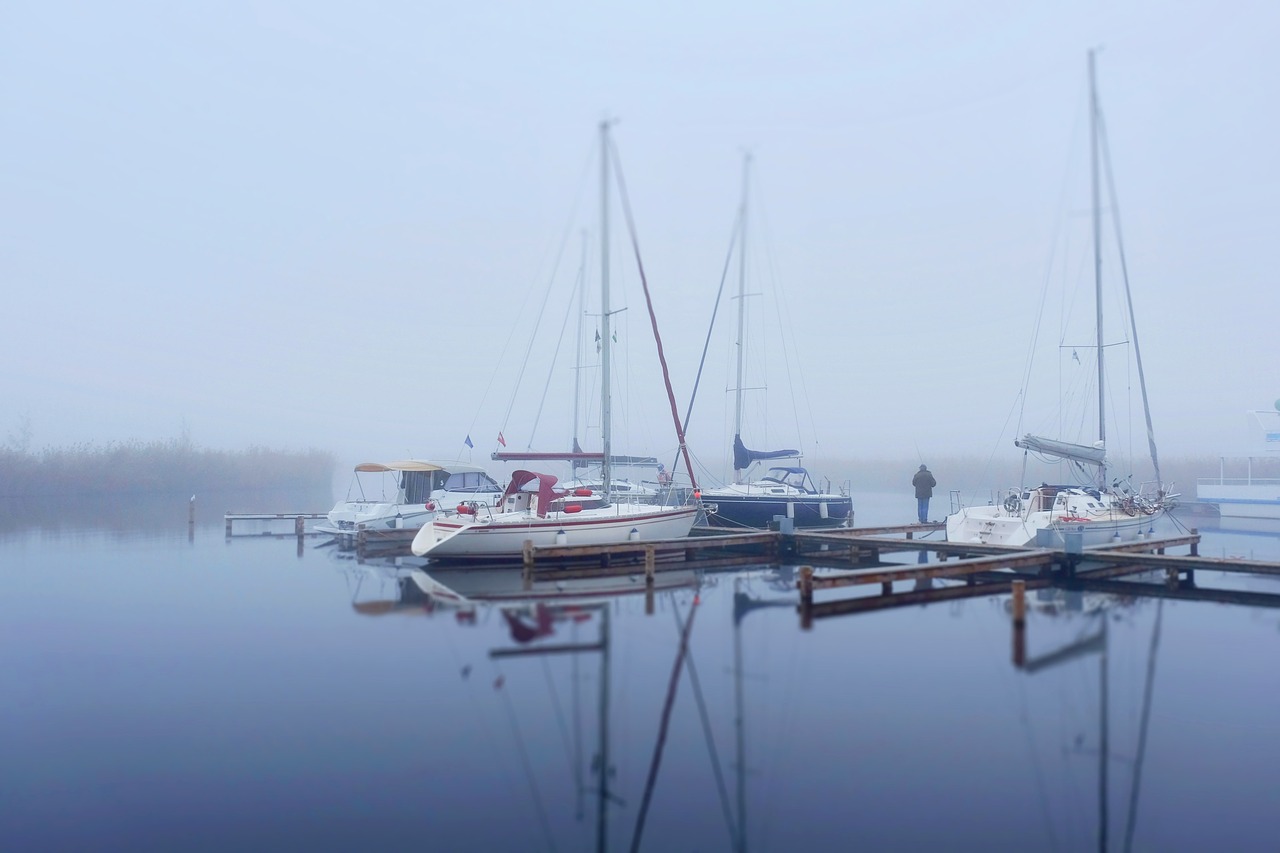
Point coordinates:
[[502, 536], [759, 511], [994, 525]]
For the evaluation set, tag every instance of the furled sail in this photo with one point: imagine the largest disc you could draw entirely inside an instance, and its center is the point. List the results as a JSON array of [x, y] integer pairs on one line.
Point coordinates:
[[1092, 454], [742, 457]]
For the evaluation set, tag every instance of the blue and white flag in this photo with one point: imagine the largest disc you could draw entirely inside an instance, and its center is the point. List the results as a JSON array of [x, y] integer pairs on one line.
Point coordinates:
[[468, 442]]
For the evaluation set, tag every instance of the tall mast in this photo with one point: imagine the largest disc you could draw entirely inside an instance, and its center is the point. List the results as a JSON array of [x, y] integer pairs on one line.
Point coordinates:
[[1097, 257], [742, 310], [606, 427]]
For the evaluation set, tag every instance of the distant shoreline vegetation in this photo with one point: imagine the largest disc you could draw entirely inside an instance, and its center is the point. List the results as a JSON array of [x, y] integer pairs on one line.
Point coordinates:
[[158, 467]]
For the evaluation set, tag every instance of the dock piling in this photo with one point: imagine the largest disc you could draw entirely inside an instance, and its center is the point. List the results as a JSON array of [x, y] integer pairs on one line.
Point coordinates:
[[527, 559], [806, 597], [1019, 589]]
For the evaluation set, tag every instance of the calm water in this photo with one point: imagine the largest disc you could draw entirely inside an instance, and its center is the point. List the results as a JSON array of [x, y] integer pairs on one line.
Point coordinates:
[[167, 693]]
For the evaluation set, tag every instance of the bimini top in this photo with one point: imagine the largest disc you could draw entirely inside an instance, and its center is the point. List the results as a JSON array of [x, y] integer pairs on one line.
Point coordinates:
[[414, 465], [789, 470]]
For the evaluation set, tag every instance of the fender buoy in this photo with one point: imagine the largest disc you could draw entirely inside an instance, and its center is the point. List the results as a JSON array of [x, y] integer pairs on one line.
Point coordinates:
[[466, 509], [573, 508], [582, 493], [431, 505]]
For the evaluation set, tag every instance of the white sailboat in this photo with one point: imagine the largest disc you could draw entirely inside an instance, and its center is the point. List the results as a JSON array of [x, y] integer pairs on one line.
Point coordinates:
[[1099, 510], [531, 508], [785, 491]]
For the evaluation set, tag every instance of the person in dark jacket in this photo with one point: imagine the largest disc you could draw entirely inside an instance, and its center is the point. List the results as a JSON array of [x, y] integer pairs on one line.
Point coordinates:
[[924, 483]]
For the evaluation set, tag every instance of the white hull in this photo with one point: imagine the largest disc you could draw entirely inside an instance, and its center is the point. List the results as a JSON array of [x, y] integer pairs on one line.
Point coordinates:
[[460, 587], [503, 535], [347, 518], [1252, 500], [991, 525]]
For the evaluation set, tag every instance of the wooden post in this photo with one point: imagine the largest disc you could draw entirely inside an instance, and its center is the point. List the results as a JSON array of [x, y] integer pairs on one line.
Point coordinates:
[[650, 566], [299, 527], [1019, 601], [806, 597], [228, 518], [1019, 623], [1171, 578], [362, 539], [886, 588], [191, 512], [527, 555], [1195, 546]]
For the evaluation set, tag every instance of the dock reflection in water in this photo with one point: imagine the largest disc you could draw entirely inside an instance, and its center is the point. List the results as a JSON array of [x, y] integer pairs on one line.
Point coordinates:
[[219, 695]]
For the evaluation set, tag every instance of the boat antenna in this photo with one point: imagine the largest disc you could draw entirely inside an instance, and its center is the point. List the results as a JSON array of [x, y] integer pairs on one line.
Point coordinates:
[[577, 367], [653, 322]]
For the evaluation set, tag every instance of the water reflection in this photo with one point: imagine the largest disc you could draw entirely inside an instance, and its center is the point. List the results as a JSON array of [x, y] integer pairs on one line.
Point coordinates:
[[231, 695]]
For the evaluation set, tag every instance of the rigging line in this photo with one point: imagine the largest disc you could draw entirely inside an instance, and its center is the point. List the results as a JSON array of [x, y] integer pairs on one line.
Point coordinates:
[[1024, 716], [546, 296], [715, 310], [662, 728], [1142, 728], [550, 371], [787, 332], [1124, 274], [558, 708], [653, 319], [1053, 251], [714, 755], [538, 807]]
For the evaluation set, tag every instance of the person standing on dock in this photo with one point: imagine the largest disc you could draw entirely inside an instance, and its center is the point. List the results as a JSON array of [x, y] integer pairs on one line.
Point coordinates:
[[924, 483]]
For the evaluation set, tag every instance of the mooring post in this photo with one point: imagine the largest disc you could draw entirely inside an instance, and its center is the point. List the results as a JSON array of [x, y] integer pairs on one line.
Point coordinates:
[[1019, 602], [299, 527], [886, 588], [527, 555], [362, 539], [650, 559], [806, 597], [1171, 578], [228, 518], [1019, 623], [1195, 543], [191, 512]]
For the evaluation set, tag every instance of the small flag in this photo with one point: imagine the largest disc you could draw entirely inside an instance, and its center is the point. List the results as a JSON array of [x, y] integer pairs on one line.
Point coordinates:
[[615, 337], [502, 440], [468, 442], [597, 340], [1075, 356]]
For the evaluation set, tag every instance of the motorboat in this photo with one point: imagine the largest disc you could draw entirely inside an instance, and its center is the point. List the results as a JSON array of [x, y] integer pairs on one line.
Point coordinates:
[[405, 494]]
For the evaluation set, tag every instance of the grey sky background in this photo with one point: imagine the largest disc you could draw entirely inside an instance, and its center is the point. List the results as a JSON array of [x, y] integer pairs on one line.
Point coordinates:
[[310, 224]]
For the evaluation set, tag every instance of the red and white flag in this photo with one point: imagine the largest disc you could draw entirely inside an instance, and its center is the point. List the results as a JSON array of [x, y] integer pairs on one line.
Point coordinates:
[[502, 440]]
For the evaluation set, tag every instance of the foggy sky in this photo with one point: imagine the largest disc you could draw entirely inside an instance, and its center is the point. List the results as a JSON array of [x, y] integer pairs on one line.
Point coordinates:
[[307, 224]]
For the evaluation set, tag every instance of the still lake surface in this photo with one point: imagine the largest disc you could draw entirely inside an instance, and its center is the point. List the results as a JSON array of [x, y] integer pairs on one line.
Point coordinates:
[[161, 691]]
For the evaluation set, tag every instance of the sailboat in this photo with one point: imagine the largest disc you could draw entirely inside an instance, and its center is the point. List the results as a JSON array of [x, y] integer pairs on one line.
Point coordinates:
[[785, 491], [1098, 510], [531, 508]]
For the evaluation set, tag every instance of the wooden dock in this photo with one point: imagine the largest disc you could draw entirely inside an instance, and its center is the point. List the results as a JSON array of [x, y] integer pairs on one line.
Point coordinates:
[[299, 520], [851, 561]]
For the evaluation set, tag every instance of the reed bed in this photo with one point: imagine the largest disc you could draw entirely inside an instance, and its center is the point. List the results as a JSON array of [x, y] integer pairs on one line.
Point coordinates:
[[158, 467]]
